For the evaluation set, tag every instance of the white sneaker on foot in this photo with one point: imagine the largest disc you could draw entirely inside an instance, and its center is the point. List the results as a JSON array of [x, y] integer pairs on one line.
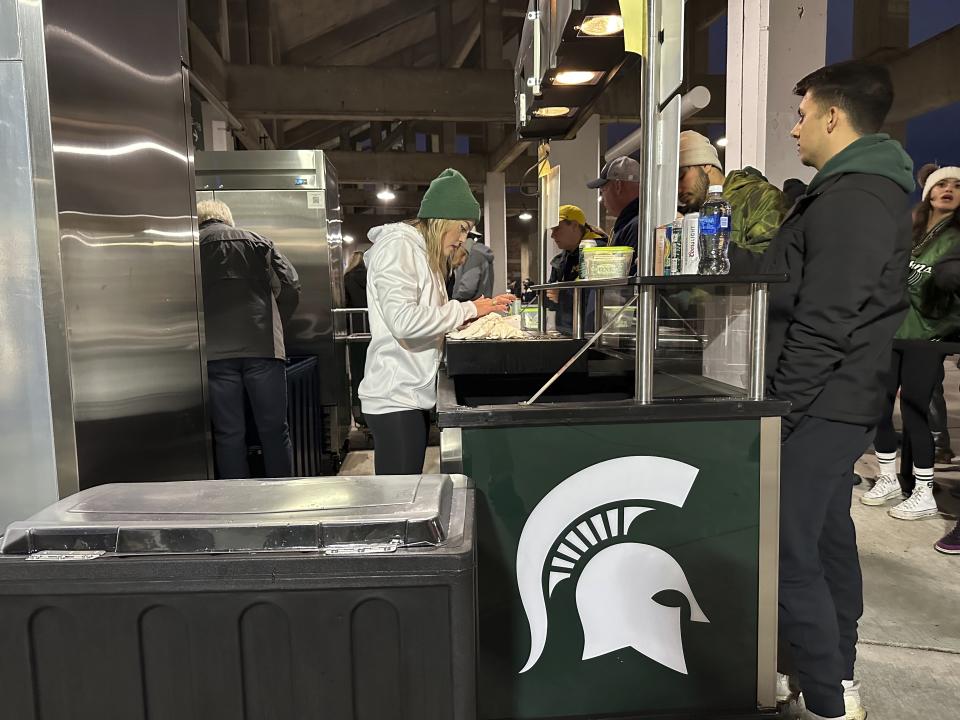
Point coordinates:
[[886, 487], [918, 506], [851, 701]]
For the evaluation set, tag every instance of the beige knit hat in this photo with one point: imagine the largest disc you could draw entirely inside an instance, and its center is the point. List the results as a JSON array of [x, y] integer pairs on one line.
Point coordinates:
[[944, 173], [695, 149]]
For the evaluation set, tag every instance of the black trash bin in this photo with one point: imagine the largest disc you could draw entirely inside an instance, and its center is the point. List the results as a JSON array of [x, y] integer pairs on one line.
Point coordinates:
[[310, 598]]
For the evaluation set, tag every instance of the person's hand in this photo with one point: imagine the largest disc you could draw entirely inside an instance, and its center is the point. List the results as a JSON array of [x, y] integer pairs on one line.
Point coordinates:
[[499, 304], [553, 295]]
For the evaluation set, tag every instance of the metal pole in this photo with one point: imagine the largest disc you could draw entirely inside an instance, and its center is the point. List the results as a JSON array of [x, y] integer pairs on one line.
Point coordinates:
[[758, 340], [597, 308], [577, 320], [646, 306]]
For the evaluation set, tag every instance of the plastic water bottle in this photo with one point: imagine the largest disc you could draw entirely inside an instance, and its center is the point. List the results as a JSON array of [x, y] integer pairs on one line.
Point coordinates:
[[716, 220], [585, 243]]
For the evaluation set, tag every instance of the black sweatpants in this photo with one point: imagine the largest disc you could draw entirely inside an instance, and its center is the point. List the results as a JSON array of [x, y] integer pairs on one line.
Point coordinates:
[[821, 588], [915, 371], [399, 441]]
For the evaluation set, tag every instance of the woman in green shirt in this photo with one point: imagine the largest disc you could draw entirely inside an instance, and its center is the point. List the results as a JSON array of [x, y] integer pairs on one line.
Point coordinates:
[[933, 316]]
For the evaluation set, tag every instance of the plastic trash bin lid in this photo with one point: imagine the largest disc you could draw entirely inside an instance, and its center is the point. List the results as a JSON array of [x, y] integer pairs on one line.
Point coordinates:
[[215, 516]]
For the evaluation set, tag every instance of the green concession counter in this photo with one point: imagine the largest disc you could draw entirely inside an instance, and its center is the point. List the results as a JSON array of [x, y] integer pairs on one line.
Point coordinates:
[[627, 551]]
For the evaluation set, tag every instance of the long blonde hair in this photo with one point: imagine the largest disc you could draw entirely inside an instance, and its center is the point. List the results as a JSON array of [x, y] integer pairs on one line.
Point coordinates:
[[433, 230], [356, 260]]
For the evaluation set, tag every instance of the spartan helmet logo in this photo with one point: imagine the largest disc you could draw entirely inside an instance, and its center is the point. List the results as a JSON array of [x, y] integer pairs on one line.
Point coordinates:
[[583, 523]]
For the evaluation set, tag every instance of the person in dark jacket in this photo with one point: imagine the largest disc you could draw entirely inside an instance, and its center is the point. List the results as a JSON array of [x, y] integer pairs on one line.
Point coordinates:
[[844, 246], [619, 185], [355, 281], [249, 290], [565, 266], [918, 355], [474, 277]]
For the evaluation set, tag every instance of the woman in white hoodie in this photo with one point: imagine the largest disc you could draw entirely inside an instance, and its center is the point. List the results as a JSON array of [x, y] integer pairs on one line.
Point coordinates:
[[409, 316]]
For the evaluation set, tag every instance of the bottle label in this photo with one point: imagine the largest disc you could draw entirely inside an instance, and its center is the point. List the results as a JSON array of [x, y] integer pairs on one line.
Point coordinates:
[[724, 223], [709, 225]]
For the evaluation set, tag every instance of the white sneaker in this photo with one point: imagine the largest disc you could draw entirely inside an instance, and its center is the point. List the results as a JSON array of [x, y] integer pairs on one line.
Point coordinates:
[[851, 701], [918, 506], [886, 487]]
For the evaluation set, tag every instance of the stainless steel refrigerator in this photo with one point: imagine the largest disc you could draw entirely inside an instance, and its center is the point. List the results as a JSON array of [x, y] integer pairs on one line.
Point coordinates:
[[291, 197]]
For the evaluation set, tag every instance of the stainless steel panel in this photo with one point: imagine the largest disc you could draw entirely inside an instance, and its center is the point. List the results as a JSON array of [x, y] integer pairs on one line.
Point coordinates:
[[769, 559], [48, 245], [9, 31], [127, 237], [26, 441]]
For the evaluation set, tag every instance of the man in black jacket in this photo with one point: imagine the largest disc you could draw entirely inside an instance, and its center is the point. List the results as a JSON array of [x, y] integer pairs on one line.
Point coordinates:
[[249, 290], [845, 248]]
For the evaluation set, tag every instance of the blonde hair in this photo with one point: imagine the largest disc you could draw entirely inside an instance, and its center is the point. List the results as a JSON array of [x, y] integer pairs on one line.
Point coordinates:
[[214, 210], [458, 258], [433, 230]]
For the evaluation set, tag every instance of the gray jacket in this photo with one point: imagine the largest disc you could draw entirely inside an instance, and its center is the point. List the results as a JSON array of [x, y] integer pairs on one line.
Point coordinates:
[[475, 277]]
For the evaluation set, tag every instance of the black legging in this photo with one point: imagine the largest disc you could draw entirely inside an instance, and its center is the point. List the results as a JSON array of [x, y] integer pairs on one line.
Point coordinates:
[[399, 441], [915, 370]]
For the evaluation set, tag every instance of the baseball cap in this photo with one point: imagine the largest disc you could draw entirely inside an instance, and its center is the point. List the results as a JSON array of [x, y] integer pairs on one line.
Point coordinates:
[[622, 168], [575, 214]]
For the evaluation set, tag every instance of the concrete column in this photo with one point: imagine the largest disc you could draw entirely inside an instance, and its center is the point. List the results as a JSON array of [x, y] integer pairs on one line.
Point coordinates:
[[770, 46], [216, 131], [495, 226], [579, 161]]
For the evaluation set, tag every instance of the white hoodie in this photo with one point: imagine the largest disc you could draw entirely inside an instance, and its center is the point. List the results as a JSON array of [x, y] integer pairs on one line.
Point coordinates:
[[409, 317]]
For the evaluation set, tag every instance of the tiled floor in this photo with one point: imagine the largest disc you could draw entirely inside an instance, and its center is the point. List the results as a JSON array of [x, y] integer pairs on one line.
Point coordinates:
[[909, 656]]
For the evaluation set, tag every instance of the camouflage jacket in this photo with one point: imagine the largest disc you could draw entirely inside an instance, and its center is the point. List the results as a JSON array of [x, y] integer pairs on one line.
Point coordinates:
[[758, 209]]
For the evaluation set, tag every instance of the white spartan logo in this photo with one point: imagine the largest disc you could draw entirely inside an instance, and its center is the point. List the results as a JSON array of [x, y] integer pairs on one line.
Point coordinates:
[[618, 581]]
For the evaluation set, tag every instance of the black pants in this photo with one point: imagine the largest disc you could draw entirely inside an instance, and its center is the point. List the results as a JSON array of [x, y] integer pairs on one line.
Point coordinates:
[[937, 417], [264, 382], [915, 371], [399, 441], [821, 588]]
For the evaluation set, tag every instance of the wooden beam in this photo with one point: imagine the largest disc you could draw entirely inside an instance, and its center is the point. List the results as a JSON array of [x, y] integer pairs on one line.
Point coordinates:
[[509, 150], [408, 168], [261, 38], [210, 17], [917, 91], [239, 32], [206, 62], [364, 93], [358, 31], [311, 134]]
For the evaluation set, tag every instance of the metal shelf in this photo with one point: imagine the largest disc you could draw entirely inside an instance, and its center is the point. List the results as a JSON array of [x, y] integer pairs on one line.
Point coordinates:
[[665, 280]]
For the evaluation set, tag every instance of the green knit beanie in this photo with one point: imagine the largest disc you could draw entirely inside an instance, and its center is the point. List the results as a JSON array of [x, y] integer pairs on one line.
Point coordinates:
[[449, 198]]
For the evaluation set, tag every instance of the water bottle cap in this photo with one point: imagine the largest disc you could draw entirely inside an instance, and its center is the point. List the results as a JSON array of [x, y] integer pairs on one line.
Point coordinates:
[[716, 189]]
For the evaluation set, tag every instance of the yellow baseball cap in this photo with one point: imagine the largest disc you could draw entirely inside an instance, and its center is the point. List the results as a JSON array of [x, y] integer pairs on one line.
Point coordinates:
[[575, 214]]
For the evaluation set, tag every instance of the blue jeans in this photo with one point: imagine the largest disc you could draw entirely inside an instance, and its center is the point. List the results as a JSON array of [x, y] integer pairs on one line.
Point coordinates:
[[264, 382]]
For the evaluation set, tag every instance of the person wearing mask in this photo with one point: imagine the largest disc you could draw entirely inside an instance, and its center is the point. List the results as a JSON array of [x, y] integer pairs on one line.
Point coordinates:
[[249, 291], [409, 317], [619, 185], [573, 228], [758, 207], [474, 277], [844, 248], [918, 354], [355, 281]]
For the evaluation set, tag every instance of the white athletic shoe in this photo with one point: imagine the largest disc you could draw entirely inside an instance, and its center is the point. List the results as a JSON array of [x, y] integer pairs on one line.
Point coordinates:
[[886, 487], [851, 701], [918, 506]]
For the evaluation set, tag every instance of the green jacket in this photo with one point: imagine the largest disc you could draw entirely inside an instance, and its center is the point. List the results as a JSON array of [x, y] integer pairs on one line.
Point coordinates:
[[758, 209], [934, 314]]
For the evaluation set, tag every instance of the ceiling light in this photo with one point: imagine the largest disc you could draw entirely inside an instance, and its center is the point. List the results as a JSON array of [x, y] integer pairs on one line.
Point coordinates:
[[600, 25], [386, 194], [525, 216], [575, 77], [552, 111], [722, 142], [347, 239]]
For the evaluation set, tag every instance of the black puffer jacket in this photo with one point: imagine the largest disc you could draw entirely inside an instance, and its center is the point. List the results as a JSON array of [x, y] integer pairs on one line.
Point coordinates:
[[249, 291], [845, 247]]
